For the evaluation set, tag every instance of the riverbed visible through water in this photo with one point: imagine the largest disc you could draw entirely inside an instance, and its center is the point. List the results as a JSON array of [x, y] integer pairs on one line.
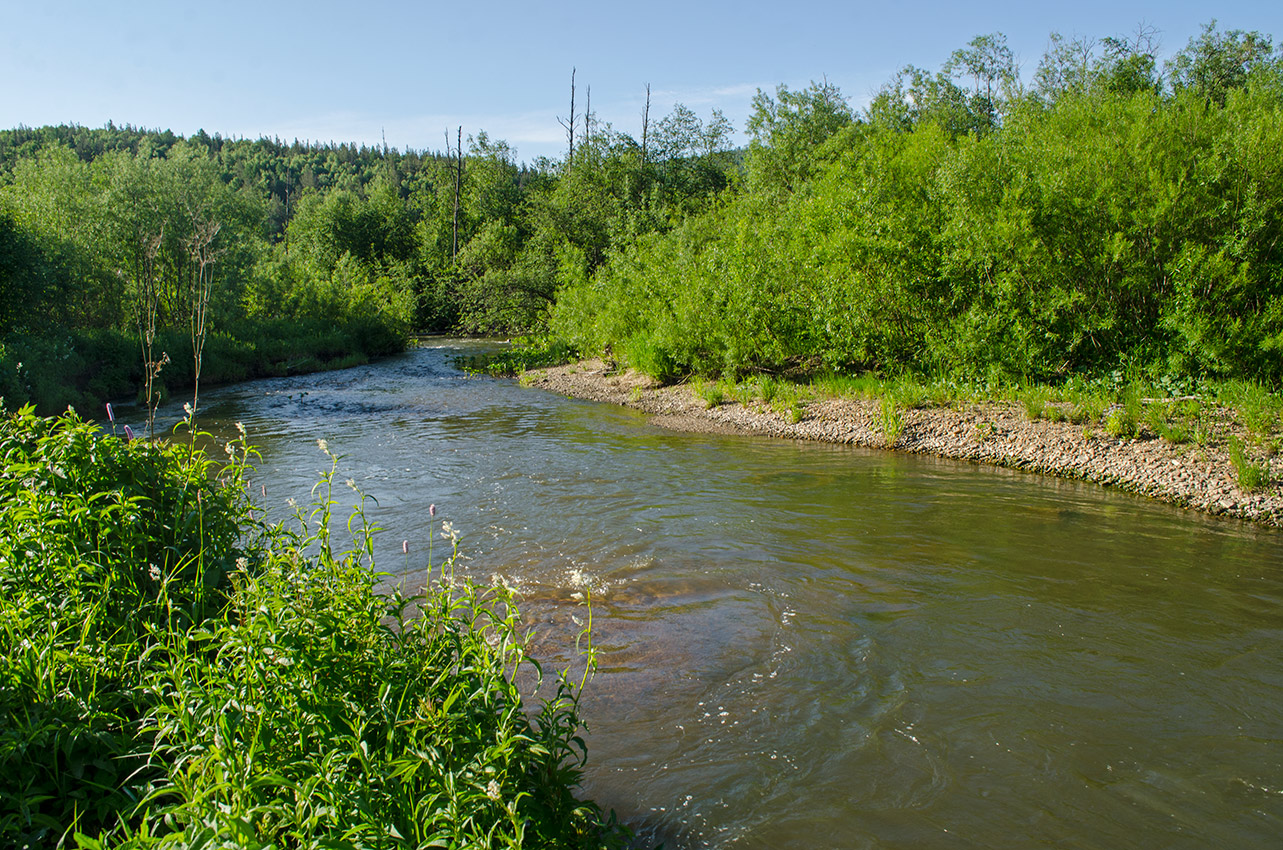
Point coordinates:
[[815, 646]]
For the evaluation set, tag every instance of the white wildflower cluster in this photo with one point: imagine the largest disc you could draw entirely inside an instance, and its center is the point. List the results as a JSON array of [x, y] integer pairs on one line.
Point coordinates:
[[153, 572], [492, 790], [323, 445], [448, 532]]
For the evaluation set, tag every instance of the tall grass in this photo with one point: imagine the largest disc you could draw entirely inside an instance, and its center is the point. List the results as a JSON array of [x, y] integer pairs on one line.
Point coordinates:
[[174, 673]]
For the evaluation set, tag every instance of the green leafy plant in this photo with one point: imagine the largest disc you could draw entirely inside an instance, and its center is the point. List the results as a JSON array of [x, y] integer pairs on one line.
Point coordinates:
[[173, 672]]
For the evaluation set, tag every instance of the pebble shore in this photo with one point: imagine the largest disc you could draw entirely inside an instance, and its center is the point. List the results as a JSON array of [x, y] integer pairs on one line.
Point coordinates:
[[1192, 476]]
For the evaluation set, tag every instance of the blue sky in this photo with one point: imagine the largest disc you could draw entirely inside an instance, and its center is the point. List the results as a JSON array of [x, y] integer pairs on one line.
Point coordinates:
[[331, 71]]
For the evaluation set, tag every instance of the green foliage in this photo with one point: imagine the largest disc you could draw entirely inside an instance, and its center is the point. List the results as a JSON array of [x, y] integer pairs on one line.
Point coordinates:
[[712, 392], [174, 673], [789, 131], [83, 368], [1252, 475], [1255, 406], [1166, 423], [525, 353], [105, 547], [1035, 401], [890, 419], [1215, 63], [963, 227]]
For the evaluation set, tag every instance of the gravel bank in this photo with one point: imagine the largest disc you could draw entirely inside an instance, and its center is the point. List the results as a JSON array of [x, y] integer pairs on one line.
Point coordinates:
[[1196, 477]]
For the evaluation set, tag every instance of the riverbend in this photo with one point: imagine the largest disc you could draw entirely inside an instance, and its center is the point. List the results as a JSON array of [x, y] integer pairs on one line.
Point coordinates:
[[1200, 477], [816, 645]]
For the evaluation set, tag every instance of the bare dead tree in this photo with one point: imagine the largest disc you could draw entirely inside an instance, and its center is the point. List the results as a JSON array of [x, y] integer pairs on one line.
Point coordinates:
[[455, 155], [148, 303], [458, 183], [645, 123], [203, 254], [588, 117], [569, 123]]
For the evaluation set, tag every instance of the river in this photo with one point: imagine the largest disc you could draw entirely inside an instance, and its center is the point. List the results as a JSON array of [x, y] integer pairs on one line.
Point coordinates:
[[814, 646]]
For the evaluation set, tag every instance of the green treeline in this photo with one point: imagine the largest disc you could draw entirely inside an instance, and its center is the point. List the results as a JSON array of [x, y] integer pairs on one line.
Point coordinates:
[[1107, 217], [318, 255]]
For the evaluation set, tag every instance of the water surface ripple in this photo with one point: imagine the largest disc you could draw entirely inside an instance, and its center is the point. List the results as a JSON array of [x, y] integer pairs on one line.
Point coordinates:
[[815, 646]]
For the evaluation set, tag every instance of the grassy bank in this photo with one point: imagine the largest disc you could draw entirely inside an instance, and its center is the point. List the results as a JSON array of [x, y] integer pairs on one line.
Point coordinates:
[[1246, 417], [84, 368], [175, 673]]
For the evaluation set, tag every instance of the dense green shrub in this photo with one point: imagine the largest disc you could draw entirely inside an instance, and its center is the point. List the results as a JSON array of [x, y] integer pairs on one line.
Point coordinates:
[[107, 550], [1105, 228], [174, 673]]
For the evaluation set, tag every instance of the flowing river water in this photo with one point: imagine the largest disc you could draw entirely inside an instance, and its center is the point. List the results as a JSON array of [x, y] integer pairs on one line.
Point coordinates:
[[814, 646]]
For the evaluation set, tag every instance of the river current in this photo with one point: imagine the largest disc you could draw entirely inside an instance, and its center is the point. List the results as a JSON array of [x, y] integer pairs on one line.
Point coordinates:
[[814, 646]]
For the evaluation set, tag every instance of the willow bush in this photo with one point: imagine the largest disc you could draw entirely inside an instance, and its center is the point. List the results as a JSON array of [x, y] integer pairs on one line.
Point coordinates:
[[1103, 230]]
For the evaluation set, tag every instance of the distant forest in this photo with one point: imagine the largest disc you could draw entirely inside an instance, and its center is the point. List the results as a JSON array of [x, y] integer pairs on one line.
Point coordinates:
[[1111, 212]]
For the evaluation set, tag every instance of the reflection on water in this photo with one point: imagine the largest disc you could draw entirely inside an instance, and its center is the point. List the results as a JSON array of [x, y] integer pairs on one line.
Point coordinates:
[[817, 646]]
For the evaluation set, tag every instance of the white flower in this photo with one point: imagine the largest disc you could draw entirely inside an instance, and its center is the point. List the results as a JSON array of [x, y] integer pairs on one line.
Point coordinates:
[[492, 790], [240, 426], [323, 445], [154, 572], [448, 532], [351, 483]]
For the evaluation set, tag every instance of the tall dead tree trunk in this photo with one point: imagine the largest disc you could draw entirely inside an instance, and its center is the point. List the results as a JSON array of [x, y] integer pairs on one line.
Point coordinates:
[[203, 255], [645, 123], [457, 166], [569, 123]]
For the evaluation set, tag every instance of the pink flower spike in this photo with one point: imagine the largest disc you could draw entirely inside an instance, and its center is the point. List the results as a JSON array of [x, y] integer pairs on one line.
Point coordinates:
[[129, 433], [405, 547], [111, 414], [432, 510], [264, 489]]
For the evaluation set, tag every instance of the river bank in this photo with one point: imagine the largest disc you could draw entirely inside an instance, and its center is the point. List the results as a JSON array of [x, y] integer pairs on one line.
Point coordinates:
[[1194, 476]]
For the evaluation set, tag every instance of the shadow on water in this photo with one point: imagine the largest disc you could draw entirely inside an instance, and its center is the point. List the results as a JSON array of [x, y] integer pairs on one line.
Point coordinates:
[[818, 646]]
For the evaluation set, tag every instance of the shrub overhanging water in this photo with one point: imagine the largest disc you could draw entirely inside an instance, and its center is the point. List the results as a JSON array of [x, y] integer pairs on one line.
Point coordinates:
[[174, 672]]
